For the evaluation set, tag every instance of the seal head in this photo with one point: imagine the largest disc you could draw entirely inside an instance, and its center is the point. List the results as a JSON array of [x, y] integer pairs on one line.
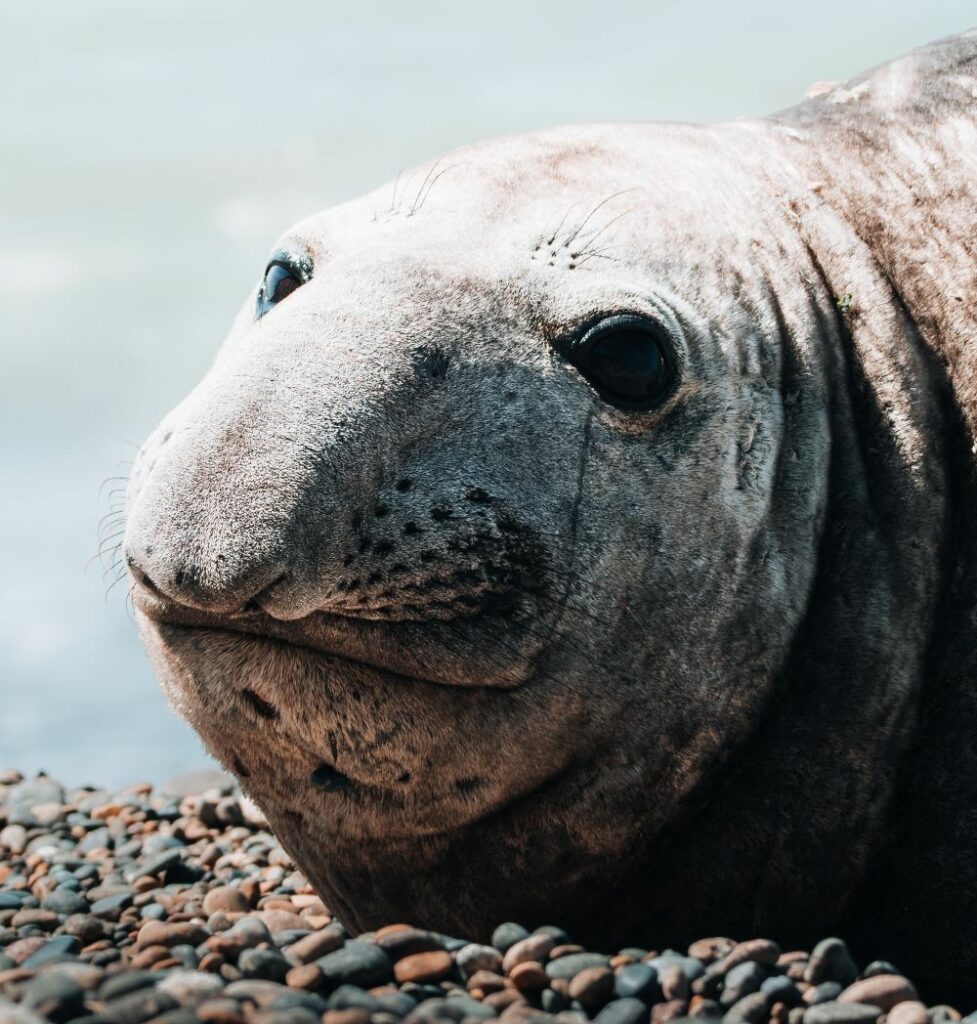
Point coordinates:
[[549, 531]]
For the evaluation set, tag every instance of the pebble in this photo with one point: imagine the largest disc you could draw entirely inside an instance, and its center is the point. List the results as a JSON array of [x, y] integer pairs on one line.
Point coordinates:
[[357, 963], [637, 981], [178, 906], [841, 1013], [831, 961], [592, 987], [421, 967], [474, 957], [881, 990]]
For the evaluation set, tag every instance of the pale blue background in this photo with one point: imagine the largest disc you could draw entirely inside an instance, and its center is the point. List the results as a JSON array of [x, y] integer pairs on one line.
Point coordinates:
[[149, 155]]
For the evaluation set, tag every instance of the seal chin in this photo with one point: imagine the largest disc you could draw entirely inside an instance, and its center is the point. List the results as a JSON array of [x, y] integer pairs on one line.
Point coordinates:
[[335, 745]]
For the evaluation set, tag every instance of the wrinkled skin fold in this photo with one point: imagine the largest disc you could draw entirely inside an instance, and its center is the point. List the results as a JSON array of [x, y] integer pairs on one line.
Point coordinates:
[[484, 645]]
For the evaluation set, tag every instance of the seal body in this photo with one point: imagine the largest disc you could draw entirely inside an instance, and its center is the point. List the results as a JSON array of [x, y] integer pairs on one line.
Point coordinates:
[[577, 530]]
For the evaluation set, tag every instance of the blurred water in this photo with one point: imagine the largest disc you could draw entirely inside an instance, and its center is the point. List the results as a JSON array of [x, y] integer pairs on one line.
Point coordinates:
[[149, 155]]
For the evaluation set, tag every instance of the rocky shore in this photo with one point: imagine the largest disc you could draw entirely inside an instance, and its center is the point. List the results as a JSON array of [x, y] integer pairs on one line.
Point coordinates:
[[179, 906]]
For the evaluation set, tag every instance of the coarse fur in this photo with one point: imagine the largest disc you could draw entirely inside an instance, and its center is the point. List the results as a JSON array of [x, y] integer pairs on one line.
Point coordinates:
[[484, 646]]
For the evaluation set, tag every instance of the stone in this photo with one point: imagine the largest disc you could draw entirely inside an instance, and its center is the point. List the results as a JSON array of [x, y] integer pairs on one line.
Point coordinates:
[[55, 997], [58, 948], [881, 990], [65, 902], [421, 967], [637, 981], [831, 961], [191, 988], [136, 1007], [909, 1012], [357, 963], [226, 899], [507, 935], [751, 1009], [623, 1011], [841, 1013], [535, 948], [474, 957], [408, 941], [592, 987], [266, 964], [528, 976], [746, 977], [314, 945], [568, 966], [826, 992]]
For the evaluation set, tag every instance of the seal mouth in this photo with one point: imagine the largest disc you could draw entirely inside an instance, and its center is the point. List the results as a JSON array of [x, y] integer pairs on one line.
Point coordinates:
[[489, 649]]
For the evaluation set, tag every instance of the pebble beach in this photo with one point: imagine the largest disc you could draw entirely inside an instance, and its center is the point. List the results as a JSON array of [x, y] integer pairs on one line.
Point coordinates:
[[177, 905]]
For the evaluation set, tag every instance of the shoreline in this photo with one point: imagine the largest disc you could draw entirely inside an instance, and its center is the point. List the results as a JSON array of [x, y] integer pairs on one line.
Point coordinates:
[[176, 904]]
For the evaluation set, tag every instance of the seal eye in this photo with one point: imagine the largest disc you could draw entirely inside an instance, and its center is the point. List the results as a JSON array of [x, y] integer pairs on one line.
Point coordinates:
[[628, 359], [283, 276]]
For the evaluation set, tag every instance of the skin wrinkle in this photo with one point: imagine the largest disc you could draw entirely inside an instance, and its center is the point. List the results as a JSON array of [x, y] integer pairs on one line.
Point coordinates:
[[708, 663]]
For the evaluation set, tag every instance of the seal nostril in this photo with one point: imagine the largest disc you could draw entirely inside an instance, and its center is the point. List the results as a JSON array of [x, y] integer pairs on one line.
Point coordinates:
[[327, 779], [178, 578], [259, 705], [239, 768]]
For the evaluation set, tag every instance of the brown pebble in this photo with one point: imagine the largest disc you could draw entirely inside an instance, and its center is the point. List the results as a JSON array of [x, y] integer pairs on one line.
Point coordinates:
[[620, 960], [509, 996], [661, 1013], [170, 933], [521, 1013], [21, 949], [534, 948], [391, 929], [226, 899], [305, 976], [210, 962], [759, 951], [528, 976], [674, 984], [407, 942], [423, 967], [592, 987], [149, 956], [486, 981], [881, 990], [565, 950], [281, 920], [354, 1015], [313, 946], [46, 919], [908, 1012], [708, 950], [220, 1011]]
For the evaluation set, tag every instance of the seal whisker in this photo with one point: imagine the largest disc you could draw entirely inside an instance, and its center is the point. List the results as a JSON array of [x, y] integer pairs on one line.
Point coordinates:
[[427, 178], [601, 204]]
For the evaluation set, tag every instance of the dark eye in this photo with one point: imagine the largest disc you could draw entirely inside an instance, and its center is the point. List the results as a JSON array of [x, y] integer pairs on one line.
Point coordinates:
[[283, 276], [629, 361]]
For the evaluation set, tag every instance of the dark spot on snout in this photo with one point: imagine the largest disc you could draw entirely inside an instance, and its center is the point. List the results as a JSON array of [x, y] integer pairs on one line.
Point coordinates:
[[478, 495], [410, 529], [440, 513], [403, 485], [383, 547], [404, 777], [327, 779], [259, 705], [433, 362], [380, 511]]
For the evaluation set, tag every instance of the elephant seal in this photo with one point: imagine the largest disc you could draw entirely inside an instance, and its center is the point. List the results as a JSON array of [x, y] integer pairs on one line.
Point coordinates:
[[580, 530]]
